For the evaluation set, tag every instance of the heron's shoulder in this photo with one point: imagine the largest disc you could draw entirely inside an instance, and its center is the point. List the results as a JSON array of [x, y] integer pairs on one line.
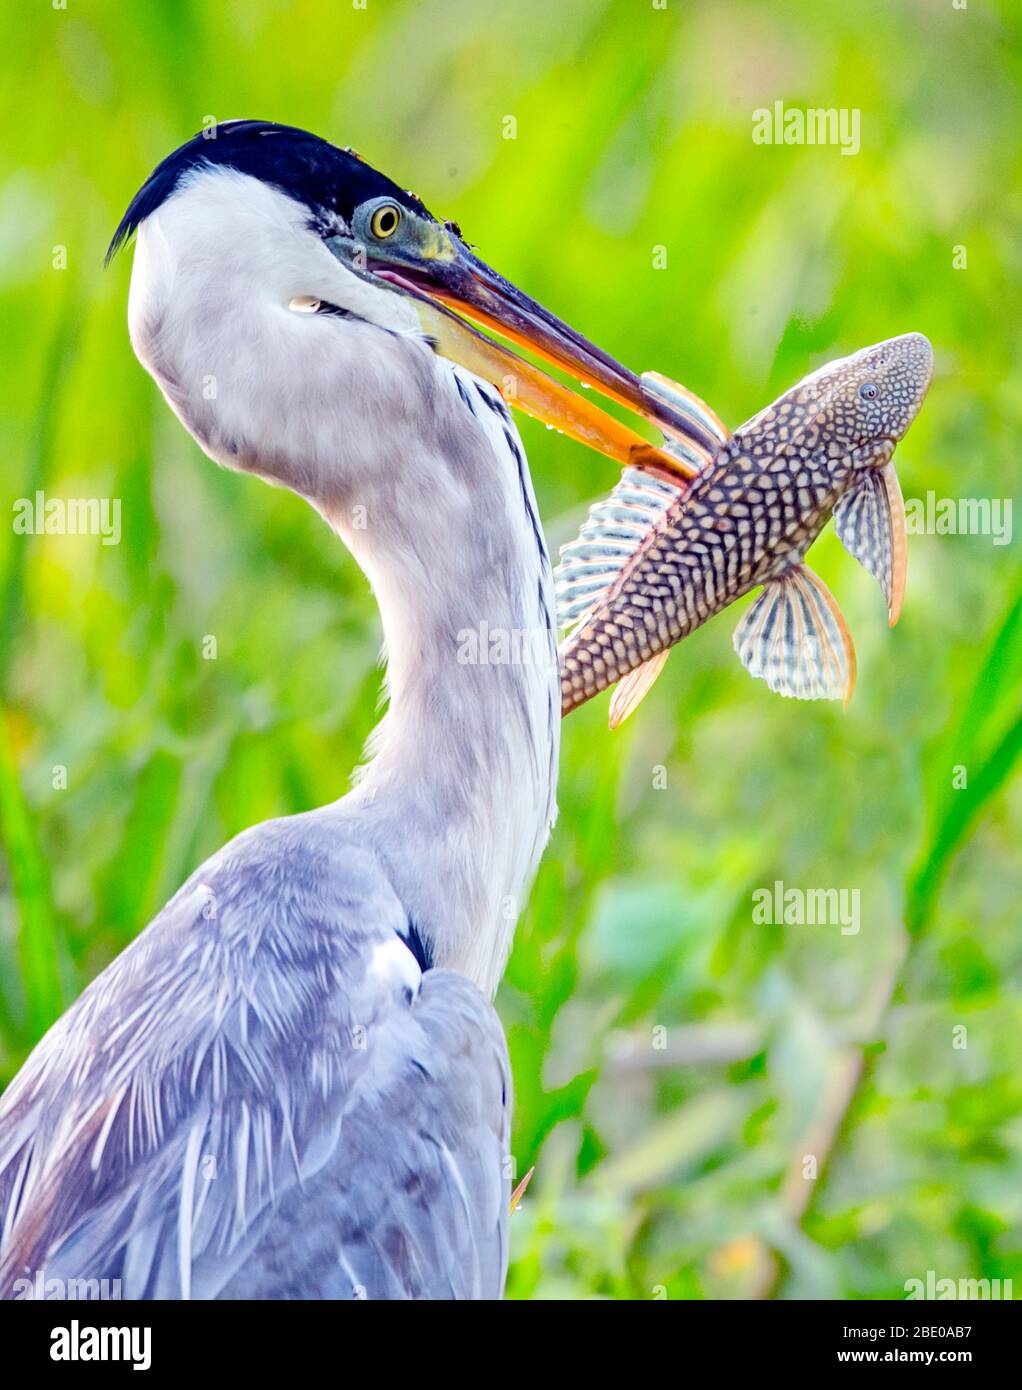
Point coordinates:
[[277, 927], [305, 869], [272, 1028]]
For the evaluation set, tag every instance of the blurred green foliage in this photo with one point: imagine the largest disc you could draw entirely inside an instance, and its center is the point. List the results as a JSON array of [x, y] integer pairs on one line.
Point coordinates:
[[672, 1061]]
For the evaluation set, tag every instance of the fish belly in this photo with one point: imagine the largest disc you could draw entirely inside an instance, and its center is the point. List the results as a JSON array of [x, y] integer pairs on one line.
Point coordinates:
[[715, 546]]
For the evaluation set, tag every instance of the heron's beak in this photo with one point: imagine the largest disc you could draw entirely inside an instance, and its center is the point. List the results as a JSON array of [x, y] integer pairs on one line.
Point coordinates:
[[445, 276]]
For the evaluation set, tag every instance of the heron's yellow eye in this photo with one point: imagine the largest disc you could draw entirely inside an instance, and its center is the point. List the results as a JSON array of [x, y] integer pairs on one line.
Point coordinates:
[[384, 221]]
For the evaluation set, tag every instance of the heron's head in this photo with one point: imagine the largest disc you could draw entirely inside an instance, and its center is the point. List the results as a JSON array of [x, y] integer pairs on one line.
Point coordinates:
[[276, 272]]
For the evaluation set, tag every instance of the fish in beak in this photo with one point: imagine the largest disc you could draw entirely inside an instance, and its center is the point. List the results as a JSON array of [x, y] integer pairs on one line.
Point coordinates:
[[653, 562], [430, 262]]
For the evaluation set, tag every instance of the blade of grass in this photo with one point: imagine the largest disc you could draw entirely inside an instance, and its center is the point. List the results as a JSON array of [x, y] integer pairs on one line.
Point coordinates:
[[955, 813], [59, 359], [30, 881], [956, 810], [29, 872]]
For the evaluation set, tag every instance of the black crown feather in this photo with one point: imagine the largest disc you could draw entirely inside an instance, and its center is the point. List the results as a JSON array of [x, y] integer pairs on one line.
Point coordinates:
[[306, 168]]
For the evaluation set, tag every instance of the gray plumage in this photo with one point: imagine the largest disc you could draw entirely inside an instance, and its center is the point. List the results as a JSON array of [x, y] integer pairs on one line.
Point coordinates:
[[266, 1052]]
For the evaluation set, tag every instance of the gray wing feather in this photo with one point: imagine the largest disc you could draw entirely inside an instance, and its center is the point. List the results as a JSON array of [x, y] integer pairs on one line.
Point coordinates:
[[263, 1097]]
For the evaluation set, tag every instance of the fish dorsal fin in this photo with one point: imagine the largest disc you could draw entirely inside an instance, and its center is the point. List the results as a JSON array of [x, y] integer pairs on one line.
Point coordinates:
[[618, 525], [613, 531], [796, 639], [633, 688], [870, 523], [687, 403]]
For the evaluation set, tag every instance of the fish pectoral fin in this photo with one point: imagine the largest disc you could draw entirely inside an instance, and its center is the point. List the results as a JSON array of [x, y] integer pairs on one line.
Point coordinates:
[[796, 639], [870, 523], [633, 688]]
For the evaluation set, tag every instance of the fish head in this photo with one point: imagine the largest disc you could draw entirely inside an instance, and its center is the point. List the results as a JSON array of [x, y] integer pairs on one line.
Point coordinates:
[[865, 403]]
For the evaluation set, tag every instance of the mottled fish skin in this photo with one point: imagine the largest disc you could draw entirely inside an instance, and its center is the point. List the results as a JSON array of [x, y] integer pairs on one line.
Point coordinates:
[[753, 512]]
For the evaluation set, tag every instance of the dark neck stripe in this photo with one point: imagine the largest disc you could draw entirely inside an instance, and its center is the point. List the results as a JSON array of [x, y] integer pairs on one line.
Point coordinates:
[[418, 947]]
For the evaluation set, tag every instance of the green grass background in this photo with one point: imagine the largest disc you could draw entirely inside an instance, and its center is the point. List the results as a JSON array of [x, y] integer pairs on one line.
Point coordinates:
[[673, 1169]]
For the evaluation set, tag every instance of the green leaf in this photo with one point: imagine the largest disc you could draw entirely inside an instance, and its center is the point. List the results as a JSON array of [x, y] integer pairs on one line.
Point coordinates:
[[30, 880]]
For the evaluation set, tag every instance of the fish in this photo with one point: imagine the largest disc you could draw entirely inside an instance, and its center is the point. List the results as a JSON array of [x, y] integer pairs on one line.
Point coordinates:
[[659, 557]]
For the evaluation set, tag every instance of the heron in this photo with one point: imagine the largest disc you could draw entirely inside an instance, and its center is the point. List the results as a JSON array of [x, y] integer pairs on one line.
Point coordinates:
[[293, 1082]]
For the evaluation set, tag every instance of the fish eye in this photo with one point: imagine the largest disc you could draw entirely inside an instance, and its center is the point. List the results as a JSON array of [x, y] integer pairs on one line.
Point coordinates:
[[868, 391], [385, 221]]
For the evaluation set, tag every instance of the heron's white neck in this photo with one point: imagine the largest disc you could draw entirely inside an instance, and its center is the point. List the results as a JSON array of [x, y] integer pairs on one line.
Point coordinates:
[[419, 468], [459, 793]]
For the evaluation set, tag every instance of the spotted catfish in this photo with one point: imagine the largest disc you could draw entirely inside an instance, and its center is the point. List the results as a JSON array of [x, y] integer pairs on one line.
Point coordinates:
[[655, 560]]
